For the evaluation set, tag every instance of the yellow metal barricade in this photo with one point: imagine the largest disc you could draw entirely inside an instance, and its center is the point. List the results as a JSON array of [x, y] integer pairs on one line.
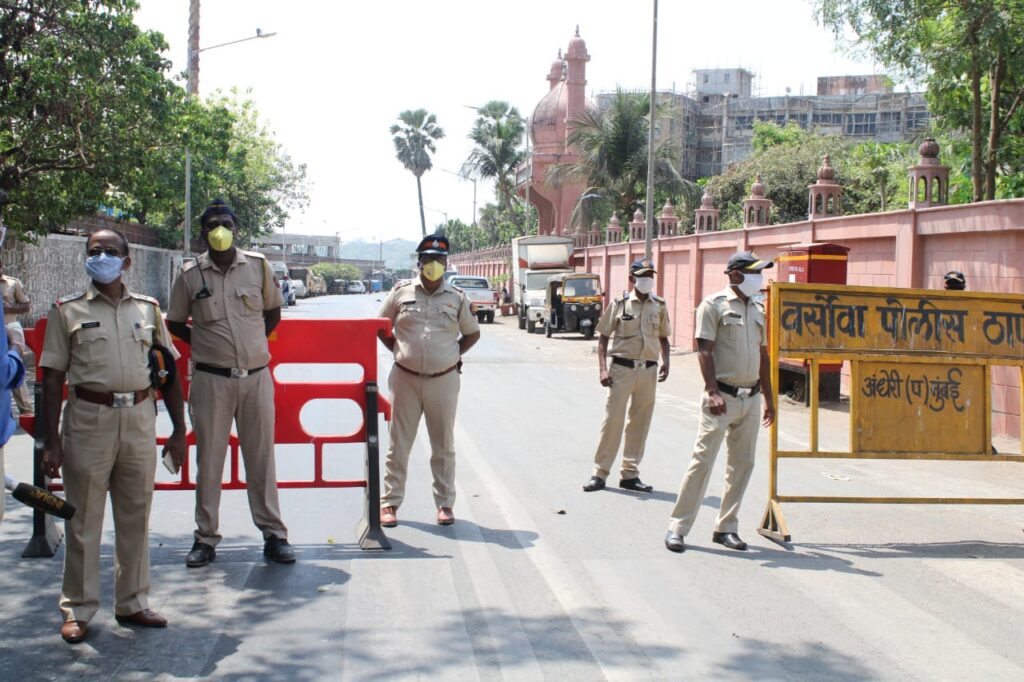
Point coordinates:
[[920, 376]]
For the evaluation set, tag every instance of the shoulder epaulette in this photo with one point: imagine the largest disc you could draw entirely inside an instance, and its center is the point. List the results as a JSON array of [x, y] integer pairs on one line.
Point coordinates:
[[147, 299], [67, 299], [721, 296], [254, 254], [403, 283], [655, 297], [187, 265]]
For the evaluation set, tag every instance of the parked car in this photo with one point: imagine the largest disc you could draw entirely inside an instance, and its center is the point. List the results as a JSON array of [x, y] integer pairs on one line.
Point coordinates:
[[482, 298], [355, 287], [299, 287]]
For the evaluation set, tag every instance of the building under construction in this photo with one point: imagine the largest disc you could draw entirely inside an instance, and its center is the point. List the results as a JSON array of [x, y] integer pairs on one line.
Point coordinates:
[[712, 125]]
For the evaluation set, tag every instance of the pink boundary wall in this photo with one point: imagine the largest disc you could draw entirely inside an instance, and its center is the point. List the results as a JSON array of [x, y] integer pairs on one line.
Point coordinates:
[[908, 248]]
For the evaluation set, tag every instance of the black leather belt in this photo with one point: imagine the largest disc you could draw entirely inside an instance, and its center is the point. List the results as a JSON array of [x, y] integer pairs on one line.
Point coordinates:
[[425, 375], [635, 364], [113, 398], [737, 391], [230, 372]]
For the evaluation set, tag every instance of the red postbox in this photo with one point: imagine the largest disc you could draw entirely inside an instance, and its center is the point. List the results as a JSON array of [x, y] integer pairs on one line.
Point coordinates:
[[818, 263]]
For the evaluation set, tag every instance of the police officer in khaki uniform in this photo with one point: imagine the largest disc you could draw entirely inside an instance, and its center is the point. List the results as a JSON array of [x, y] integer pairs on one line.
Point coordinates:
[[733, 354], [433, 328], [234, 304], [638, 326], [100, 340], [16, 302]]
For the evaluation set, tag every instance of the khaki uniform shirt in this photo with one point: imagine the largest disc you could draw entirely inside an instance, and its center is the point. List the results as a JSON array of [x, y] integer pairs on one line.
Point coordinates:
[[103, 344], [13, 292], [738, 330], [636, 326], [227, 325], [427, 326]]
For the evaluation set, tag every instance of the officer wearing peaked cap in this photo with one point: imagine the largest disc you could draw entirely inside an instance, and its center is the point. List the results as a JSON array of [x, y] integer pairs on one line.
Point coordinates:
[[433, 327], [637, 326], [954, 280], [102, 340], [733, 355], [234, 304]]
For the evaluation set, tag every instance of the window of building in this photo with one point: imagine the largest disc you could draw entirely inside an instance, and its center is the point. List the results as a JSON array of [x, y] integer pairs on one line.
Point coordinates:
[[727, 77], [705, 80]]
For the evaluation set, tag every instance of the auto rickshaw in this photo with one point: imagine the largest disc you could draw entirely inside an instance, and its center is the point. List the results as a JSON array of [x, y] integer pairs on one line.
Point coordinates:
[[572, 303]]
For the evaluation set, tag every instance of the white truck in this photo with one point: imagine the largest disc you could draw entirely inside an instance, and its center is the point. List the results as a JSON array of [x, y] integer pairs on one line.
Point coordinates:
[[534, 260]]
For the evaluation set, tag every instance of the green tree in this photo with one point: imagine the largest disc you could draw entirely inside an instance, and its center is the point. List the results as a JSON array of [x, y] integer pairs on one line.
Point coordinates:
[[332, 271], [496, 135], [82, 97], [970, 53], [613, 166], [462, 237], [414, 143], [499, 227]]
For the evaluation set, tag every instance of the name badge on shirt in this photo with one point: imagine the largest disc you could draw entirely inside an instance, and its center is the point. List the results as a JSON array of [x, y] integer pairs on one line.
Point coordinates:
[[90, 325]]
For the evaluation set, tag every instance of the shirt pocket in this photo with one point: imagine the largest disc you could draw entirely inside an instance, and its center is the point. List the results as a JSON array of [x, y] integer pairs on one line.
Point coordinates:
[[144, 335], [92, 345], [205, 310], [408, 317], [449, 317], [731, 327], [251, 300], [652, 322]]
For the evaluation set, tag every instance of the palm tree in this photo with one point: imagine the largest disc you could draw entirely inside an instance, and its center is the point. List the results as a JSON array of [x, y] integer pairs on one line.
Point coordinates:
[[613, 161], [496, 135], [414, 143]]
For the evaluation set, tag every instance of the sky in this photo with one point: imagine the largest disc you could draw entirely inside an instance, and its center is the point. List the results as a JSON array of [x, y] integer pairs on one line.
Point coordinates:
[[337, 74]]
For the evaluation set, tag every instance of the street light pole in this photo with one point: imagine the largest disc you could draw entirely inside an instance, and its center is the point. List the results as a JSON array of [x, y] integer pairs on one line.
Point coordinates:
[[650, 139], [191, 91]]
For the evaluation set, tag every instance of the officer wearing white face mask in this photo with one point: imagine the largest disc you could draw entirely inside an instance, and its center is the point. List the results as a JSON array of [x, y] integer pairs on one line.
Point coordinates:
[[733, 353], [638, 327]]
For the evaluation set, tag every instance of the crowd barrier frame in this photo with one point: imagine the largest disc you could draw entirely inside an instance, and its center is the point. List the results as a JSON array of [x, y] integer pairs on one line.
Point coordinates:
[[908, 329], [321, 341]]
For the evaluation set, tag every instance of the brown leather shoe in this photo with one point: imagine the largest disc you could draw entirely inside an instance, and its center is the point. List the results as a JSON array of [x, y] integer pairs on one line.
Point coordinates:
[[74, 631], [146, 618], [388, 517], [445, 517]]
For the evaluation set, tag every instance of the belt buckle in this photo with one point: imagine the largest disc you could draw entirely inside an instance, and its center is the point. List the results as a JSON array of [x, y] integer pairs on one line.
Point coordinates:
[[639, 364], [237, 373], [742, 392], [123, 399]]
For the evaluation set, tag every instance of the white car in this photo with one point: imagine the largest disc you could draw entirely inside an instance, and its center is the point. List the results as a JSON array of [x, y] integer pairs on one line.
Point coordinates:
[[299, 288], [355, 287]]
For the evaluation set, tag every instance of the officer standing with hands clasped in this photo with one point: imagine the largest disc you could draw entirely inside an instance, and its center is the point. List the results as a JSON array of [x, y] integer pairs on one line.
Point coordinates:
[[234, 304], [16, 302], [733, 356], [433, 327], [12, 370], [104, 341], [639, 328]]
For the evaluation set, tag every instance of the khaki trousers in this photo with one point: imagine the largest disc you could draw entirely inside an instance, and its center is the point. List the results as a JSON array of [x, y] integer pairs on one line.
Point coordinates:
[[436, 399], [739, 425], [22, 396], [113, 449], [215, 402], [636, 387]]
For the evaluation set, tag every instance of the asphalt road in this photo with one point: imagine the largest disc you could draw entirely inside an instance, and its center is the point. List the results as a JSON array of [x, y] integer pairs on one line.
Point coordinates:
[[538, 580]]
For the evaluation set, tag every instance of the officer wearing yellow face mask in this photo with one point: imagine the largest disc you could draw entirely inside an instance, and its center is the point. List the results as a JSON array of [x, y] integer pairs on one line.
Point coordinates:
[[234, 304], [433, 328]]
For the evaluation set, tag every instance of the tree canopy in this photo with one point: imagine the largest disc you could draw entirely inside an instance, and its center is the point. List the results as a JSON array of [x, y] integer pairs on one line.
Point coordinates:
[[90, 118], [970, 54], [414, 140], [497, 135]]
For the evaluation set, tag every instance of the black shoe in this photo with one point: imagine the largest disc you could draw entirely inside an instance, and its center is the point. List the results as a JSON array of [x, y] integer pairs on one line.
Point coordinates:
[[201, 555], [595, 483], [730, 540], [635, 484], [674, 542], [277, 549]]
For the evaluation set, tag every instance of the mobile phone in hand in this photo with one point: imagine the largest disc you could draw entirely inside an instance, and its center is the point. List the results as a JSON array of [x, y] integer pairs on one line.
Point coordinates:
[[170, 465]]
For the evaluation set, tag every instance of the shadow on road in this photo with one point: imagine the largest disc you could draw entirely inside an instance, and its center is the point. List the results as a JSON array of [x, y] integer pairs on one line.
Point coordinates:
[[467, 531], [964, 549]]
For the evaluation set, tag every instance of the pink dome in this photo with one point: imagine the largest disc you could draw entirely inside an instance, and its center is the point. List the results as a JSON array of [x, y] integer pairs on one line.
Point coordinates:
[[577, 47], [757, 189], [707, 201], [548, 121]]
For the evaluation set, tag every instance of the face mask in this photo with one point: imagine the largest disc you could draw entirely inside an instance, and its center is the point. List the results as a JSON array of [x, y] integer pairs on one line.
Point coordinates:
[[644, 285], [104, 268], [220, 238], [751, 284], [433, 270]]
